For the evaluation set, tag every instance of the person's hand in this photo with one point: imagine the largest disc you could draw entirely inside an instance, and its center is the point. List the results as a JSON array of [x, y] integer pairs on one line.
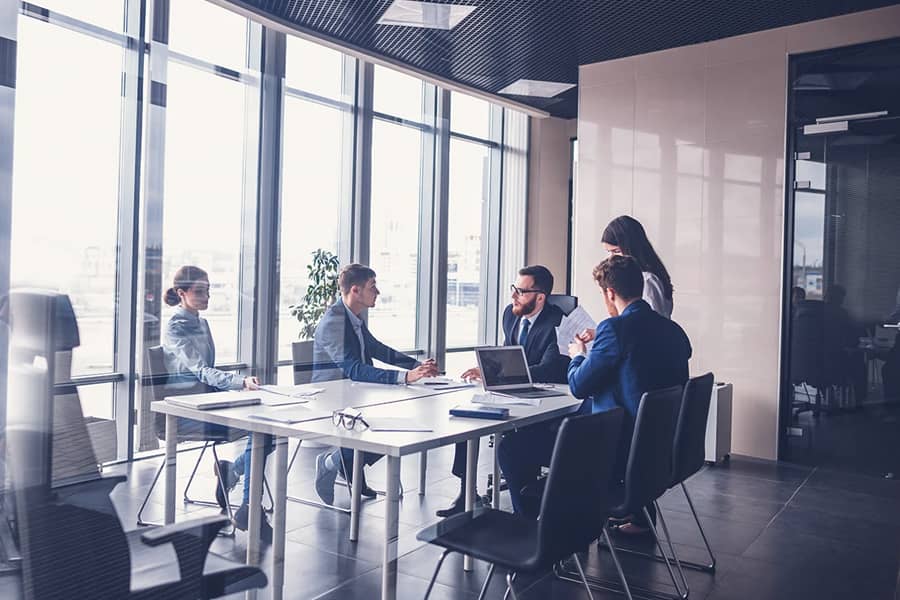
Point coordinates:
[[251, 383], [577, 348], [585, 336], [473, 374], [426, 369]]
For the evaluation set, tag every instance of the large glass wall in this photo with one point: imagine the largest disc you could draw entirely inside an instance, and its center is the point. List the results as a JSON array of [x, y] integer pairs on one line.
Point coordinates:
[[140, 181]]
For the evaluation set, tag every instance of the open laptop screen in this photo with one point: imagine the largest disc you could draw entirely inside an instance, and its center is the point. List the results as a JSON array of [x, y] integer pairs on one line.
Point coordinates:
[[503, 366]]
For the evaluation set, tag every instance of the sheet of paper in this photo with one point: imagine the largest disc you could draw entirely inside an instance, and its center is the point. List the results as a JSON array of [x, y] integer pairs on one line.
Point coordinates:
[[502, 399], [571, 325], [278, 400], [291, 391], [395, 424], [291, 414], [442, 383]]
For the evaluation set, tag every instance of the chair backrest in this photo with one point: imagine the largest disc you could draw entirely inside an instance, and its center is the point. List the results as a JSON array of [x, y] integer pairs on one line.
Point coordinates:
[[648, 472], [808, 342], [576, 499], [689, 451], [566, 303], [302, 361], [159, 385]]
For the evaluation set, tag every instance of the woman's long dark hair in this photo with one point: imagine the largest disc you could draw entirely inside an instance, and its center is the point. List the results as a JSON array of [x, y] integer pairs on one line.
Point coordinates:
[[629, 235]]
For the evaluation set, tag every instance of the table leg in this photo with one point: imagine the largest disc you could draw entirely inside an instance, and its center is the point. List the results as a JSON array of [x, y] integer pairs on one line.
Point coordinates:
[[257, 470], [171, 464], [280, 516], [495, 491], [391, 530], [423, 470], [355, 495], [471, 475]]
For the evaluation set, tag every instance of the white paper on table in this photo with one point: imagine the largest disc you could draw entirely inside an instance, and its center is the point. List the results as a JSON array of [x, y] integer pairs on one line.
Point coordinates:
[[571, 325], [442, 383], [497, 399], [291, 414], [292, 391]]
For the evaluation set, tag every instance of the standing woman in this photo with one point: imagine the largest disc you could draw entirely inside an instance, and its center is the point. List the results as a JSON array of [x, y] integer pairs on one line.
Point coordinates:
[[625, 235], [190, 356]]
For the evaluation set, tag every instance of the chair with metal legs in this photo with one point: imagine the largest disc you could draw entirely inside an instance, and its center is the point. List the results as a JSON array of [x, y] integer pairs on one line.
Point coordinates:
[[188, 431], [574, 510], [689, 454], [648, 474]]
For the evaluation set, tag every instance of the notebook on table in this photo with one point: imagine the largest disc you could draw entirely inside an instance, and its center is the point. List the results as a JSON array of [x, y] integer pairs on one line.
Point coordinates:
[[504, 370], [215, 400]]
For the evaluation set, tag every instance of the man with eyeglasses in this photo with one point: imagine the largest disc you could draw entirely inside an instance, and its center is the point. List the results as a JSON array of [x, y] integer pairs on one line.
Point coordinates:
[[344, 348], [529, 321]]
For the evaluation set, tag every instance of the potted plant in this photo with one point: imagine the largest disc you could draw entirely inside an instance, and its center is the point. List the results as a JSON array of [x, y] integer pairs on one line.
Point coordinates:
[[320, 293]]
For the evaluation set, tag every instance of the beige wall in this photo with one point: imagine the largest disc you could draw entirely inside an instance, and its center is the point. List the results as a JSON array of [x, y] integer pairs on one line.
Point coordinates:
[[548, 196], [691, 142]]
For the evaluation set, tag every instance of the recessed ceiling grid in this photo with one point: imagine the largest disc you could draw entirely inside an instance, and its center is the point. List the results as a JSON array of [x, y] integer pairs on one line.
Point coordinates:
[[502, 41]]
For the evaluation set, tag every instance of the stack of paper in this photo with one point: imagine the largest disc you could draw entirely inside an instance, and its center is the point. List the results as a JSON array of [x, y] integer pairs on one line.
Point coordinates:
[[279, 395], [503, 399], [571, 325]]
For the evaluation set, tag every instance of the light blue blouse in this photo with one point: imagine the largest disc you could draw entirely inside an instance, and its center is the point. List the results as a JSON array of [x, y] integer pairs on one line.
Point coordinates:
[[191, 353]]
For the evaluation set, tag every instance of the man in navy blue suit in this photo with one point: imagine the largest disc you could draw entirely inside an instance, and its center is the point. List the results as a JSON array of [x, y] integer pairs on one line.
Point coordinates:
[[529, 321], [634, 351], [344, 348]]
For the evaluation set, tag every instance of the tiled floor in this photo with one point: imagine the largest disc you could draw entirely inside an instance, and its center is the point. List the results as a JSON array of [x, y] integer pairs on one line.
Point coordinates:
[[779, 532]]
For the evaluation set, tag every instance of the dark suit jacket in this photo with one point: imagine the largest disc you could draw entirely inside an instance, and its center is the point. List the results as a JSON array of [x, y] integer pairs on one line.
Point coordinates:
[[337, 355], [545, 362], [636, 352]]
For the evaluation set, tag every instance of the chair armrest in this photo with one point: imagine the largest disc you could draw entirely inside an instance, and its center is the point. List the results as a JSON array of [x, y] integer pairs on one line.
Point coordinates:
[[191, 540], [202, 527]]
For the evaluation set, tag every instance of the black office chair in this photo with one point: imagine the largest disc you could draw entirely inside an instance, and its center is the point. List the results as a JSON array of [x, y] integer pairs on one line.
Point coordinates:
[[648, 474], [188, 431], [70, 537], [573, 509], [689, 454], [566, 303]]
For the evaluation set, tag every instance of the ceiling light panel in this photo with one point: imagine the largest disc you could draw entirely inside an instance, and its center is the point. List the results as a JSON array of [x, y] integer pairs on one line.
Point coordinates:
[[539, 89], [429, 15]]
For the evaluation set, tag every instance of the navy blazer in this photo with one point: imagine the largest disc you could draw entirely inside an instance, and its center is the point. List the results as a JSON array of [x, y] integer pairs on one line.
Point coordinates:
[[638, 351], [545, 362], [337, 355]]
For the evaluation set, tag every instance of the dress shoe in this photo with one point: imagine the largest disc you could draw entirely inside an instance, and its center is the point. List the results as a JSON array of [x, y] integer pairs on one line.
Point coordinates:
[[458, 506], [325, 477], [242, 518]]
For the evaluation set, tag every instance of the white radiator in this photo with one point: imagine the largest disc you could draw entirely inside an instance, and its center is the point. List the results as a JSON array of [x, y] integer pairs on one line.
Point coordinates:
[[718, 426]]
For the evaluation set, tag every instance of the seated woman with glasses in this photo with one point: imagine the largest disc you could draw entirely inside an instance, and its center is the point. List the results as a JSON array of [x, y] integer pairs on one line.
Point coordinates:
[[190, 357]]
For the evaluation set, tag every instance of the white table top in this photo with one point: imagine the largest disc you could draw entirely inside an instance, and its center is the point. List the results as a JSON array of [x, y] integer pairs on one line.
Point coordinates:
[[426, 407]]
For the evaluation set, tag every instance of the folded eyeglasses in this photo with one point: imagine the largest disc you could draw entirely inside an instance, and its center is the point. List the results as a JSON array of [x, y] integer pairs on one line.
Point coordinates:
[[348, 418]]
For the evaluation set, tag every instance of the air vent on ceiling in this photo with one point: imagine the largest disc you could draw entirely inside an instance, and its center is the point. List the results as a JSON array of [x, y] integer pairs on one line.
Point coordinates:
[[539, 89], [408, 13]]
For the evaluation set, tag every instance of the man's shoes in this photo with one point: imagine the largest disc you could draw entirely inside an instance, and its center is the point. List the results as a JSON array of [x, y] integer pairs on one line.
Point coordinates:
[[325, 477], [224, 470], [242, 518], [631, 530], [366, 491], [458, 506]]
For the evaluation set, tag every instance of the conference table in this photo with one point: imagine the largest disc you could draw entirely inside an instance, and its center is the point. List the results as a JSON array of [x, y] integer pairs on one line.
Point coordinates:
[[383, 406]]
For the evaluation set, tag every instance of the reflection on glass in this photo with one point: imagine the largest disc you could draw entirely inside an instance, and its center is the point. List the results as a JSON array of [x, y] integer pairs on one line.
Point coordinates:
[[314, 68], [109, 14], [398, 94], [470, 116], [469, 186], [202, 30], [312, 186], [394, 248], [204, 168], [66, 165]]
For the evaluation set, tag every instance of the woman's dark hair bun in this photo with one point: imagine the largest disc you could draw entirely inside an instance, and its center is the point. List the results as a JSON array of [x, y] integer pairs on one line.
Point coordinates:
[[171, 297]]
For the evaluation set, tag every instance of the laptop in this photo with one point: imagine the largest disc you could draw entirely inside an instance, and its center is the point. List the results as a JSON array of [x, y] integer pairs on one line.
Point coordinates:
[[504, 370], [215, 400]]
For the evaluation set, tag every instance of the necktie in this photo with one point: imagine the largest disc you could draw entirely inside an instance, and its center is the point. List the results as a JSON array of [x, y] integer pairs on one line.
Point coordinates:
[[523, 335]]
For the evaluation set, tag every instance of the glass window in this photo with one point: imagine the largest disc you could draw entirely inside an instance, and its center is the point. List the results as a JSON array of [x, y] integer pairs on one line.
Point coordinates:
[[313, 186], [394, 247], [208, 32], [66, 165], [204, 173], [314, 68], [470, 116], [109, 14], [469, 193], [398, 94]]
